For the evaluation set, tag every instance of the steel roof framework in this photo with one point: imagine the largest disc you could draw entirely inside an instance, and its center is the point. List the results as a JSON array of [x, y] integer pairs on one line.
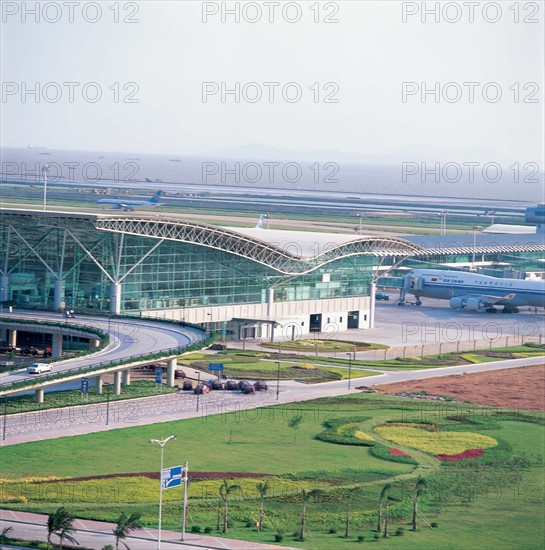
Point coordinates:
[[267, 254]]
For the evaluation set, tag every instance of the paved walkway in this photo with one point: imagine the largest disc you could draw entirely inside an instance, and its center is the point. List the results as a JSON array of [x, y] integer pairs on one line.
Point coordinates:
[[96, 534]]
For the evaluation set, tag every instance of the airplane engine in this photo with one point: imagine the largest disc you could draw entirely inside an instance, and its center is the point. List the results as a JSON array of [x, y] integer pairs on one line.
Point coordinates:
[[457, 302], [475, 303]]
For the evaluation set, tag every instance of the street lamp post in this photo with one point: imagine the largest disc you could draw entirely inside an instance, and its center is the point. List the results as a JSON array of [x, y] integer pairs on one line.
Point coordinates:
[[267, 217], [45, 170], [107, 384], [475, 227], [349, 353], [278, 371], [161, 443]]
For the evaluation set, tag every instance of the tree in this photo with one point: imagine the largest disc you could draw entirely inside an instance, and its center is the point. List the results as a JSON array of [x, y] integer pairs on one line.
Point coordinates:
[[351, 493], [262, 489], [225, 490], [383, 495], [294, 423], [124, 525], [306, 496], [418, 490], [66, 533], [387, 517], [4, 535], [60, 523]]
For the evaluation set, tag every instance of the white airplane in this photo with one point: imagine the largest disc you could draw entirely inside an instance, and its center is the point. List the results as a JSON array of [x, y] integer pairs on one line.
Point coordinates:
[[473, 291], [131, 204]]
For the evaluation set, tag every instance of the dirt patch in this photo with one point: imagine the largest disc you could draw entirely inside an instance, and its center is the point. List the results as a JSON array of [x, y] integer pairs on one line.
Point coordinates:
[[521, 388], [155, 475]]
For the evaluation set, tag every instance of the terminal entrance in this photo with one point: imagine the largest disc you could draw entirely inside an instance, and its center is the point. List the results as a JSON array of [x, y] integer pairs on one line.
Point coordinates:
[[315, 322], [353, 319]]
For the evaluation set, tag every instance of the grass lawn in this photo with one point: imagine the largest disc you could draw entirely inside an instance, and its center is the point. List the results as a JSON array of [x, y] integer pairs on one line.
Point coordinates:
[[322, 345], [68, 398], [493, 501], [252, 366]]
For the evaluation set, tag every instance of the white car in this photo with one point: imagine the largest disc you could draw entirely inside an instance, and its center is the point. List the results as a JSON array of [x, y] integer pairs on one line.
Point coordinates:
[[38, 368]]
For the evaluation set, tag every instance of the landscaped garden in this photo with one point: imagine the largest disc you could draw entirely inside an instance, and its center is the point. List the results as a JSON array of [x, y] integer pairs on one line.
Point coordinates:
[[367, 453]]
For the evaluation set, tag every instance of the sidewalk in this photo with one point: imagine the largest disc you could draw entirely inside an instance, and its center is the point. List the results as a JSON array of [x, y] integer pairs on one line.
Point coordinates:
[[97, 534]]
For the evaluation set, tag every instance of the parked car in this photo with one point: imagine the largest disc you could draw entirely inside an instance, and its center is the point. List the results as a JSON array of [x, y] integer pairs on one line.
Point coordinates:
[[247, 388], [48, 352], [261, 385], [31, 350], [38, 368], [201, 388], [241, 383], [231, 385], [8, 349], [381, 296], [217, 385], [179, 373], [187, 385]]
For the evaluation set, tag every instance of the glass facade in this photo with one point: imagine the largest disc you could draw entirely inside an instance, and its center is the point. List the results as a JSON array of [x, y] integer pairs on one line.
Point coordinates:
[[153, 276]]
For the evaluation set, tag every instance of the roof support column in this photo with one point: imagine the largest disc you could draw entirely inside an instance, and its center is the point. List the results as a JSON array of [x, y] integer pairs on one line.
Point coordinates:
[[372, 305], [4, 288], [126, 377], [58, 296], [270, 302], [98, 384], [115, 298]]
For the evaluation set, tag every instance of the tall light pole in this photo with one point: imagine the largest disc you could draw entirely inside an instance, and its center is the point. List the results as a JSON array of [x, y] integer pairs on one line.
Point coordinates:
[[161, 443], [443, 215], [349, 353], [359, 215], [475, 227], [45, 170], [267, 217]]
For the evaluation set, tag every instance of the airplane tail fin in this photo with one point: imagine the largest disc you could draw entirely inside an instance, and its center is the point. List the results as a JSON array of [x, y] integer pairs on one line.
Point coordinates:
[[259, 224], [156, 197]]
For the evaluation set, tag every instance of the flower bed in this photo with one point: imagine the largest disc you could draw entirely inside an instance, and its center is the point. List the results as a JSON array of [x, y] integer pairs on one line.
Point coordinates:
[[467, 454], [445, 443], [397, 452]]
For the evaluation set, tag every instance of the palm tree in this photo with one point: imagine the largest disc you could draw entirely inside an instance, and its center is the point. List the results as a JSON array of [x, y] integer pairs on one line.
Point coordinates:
[[387, 517], [351, 493], [60, 523], [225, 490], [383, 495], [294, 423], [125, 524], [262, 489], [418, 490], [66, 533], [306, 496]]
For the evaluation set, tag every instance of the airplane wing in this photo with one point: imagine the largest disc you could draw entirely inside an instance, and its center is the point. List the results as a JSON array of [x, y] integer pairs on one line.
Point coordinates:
[[495, 300]]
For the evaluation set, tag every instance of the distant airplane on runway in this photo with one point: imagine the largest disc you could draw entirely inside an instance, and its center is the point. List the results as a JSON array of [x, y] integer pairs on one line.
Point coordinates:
[[259, 224], [118, 204], [473, 291]]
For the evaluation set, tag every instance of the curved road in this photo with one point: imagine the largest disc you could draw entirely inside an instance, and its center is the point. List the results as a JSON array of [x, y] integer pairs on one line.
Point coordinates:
[[128, 337]]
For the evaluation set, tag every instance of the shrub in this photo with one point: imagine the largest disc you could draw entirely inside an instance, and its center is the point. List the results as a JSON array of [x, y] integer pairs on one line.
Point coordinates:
[[279, 536], [434, 525], [195, 528], [334, 432], [377, 536], [208, 529], [399, 532], [332, 531], [361, 538], [250, 524]]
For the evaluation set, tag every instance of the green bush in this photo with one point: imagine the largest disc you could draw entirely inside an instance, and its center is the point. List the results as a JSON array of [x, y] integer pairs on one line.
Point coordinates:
[[331, 433], [208, 529], [361, 538], [399, 532], [195, 528]]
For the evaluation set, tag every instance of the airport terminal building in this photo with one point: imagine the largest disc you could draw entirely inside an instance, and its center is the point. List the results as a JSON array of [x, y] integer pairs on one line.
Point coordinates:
[[246, 282]]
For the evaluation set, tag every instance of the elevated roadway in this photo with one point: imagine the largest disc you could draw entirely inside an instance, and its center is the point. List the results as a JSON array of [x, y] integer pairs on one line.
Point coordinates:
[[129, 338]]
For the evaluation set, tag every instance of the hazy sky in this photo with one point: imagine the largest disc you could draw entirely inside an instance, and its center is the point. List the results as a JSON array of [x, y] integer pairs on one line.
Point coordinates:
[[169, 52]]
